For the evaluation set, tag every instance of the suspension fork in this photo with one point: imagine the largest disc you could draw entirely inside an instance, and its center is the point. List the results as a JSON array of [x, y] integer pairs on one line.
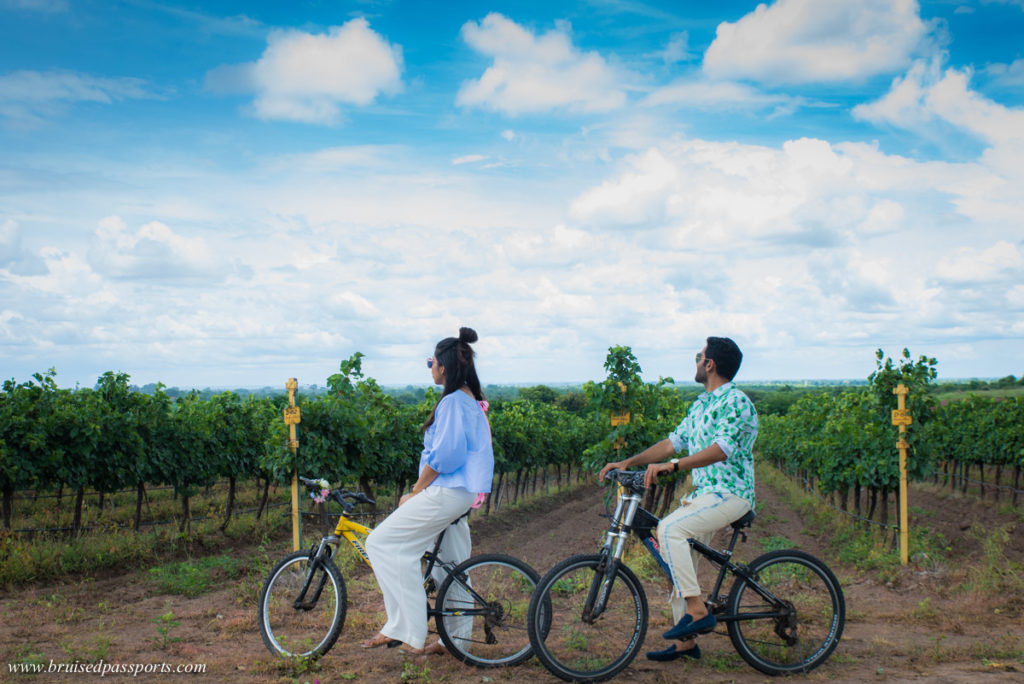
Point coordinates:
[[611, 556], [316, 560]]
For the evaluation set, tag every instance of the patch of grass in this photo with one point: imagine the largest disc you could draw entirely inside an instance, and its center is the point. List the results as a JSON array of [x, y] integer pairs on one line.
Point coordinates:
[[641, 562], [926, 611], [1005, 651], [414, 673], [297, 666], [725, 661], [865, 547], [193, 578], [100, 650], [45, 557], [996, 574], [29, 655], [776, 544]]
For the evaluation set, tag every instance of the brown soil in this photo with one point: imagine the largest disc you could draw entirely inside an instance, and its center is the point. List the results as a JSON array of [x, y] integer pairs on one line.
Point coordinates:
[[920, 624]]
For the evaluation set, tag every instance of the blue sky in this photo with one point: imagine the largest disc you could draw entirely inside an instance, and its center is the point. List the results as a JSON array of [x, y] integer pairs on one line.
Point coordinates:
[[231, 194]]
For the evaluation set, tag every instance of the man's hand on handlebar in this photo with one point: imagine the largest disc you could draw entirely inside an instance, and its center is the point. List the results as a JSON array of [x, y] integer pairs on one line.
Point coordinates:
[[617, 465], [655, 470]]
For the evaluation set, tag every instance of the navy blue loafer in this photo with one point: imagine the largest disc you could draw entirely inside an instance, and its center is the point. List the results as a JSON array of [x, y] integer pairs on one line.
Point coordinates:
[[687, 627], [671, 653]]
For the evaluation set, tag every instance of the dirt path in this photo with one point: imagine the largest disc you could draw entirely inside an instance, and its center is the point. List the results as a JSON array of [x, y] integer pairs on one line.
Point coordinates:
[[920, 627]]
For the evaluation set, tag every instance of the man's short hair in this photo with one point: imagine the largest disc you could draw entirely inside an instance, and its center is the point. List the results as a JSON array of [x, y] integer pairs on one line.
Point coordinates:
[[726, 355]]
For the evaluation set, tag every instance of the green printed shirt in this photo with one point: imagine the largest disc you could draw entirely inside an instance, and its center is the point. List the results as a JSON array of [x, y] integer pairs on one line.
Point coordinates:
[[726, 417]]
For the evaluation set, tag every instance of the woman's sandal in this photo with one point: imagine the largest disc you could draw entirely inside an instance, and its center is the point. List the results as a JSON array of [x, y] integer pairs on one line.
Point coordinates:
[[377, 641]]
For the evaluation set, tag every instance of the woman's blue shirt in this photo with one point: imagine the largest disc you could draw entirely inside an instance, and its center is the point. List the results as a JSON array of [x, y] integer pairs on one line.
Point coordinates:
[[458, 445]]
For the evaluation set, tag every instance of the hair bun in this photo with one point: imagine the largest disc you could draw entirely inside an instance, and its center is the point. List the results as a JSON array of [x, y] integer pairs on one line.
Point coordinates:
[[467, 335]]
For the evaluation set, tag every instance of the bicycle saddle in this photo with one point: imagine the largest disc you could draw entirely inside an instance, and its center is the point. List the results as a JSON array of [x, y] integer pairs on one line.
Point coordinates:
[[746, 521]]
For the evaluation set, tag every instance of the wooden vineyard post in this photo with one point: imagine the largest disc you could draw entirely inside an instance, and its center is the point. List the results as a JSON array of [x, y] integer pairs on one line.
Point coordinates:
[[292, 418], [901, 417]]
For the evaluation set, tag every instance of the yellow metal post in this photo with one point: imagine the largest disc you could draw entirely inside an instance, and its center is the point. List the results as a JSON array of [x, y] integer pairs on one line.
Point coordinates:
[[619, 418], [901, 417], [291, 419]]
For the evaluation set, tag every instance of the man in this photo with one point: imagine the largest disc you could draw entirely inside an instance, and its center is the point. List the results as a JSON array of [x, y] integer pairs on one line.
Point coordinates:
[[718, 433]]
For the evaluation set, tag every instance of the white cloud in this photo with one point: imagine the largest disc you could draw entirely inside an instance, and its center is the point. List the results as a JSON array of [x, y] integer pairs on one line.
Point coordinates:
[[707, 94], [532, 74], [677, 49], [308, 77], [1007, 75], [926, 93], [153, 251], [10, 241], [28, 98], [469, 159], [808, 41], [1000, 261]]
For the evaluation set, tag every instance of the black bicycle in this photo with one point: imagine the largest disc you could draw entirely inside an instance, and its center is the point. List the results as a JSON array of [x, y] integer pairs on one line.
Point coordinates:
[[588, 616], [479, 610]]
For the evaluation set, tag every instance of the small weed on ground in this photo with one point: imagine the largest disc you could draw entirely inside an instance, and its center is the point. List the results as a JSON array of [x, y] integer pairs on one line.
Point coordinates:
[[165, 624], [414, 673]]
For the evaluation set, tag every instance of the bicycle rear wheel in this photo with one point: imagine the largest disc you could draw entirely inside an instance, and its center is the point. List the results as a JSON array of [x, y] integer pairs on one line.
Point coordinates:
[[481, 610], [310, 627], [576, 650], [806, 624]]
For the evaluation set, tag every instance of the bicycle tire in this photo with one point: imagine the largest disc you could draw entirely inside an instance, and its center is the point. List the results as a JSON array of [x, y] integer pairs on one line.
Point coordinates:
[[570, 648], [806, 638], [310, 630], [498, 599]]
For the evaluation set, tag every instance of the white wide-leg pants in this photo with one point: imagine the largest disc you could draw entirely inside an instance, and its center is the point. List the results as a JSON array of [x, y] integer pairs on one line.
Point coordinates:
[[699, 519], [396, 546]]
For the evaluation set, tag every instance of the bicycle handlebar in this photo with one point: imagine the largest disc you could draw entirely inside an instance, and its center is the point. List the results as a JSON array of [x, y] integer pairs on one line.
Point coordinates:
[[630, 479], [341, 496]]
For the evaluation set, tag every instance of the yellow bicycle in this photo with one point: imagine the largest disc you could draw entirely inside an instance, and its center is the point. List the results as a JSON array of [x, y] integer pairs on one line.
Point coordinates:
[[479, 607]]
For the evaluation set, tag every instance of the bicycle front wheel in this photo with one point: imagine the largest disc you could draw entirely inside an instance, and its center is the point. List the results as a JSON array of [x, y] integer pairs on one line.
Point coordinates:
[[481, 610], [791, 617], [302, 611], [592, 650]]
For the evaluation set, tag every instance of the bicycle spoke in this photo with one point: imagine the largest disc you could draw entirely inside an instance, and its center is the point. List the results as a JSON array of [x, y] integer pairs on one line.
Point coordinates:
[[808, 618], [482, 608], [310, 627], [576, 648]]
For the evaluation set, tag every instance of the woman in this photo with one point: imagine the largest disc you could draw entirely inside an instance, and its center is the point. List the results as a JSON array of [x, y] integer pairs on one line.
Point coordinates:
[[456, 465]]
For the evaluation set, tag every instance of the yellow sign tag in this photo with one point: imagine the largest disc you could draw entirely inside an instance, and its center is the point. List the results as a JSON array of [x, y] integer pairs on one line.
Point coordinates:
[[901, 417], [620, 418], [292, 416]]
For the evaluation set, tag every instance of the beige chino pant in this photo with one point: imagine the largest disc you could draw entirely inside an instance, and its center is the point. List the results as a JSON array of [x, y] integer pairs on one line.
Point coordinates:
[[698, 519]]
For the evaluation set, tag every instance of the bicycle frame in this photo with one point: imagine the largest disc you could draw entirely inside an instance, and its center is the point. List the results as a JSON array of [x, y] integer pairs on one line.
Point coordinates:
[[626, 509], [348, 530]]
